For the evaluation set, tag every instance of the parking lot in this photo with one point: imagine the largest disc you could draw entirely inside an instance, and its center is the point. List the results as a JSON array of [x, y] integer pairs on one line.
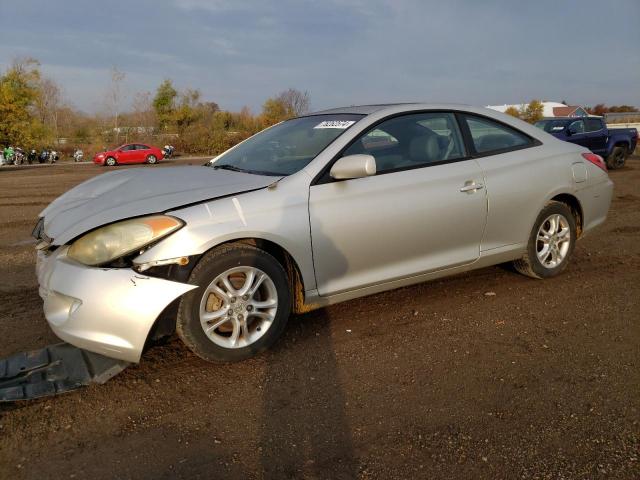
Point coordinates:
[[483, 375]]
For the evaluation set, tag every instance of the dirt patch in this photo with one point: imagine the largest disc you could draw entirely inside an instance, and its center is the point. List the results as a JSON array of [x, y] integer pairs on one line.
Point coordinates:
[[626, 230], [437, 380], [628, 198], [24, 204]]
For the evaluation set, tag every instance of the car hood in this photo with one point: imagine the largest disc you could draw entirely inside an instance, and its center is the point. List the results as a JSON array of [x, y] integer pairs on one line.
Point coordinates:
[[133, 192]]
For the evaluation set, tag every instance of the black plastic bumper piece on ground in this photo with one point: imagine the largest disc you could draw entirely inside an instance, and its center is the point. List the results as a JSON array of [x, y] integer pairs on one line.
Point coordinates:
[[52, 370]]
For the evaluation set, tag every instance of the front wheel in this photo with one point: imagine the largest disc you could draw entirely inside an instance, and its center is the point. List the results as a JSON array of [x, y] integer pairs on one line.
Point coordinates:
[[617, 158], [110, 162], [241, 305], [550, 244]]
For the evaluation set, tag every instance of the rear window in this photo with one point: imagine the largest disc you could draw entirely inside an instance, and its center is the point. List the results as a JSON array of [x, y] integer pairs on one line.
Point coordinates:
[[490, 136], [592, 124]]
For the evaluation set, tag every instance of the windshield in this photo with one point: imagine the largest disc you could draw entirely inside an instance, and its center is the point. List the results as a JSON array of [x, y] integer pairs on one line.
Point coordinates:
[[287, 147], [552, 126]]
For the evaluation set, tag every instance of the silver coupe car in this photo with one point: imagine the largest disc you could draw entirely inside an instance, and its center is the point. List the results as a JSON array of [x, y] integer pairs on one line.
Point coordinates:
[[315, 210]]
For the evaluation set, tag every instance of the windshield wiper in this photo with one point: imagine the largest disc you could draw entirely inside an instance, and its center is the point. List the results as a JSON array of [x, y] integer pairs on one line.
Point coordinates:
[[233, 168]]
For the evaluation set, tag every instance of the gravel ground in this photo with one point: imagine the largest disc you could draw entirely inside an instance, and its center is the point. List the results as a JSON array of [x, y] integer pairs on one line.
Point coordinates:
[[538, 379]]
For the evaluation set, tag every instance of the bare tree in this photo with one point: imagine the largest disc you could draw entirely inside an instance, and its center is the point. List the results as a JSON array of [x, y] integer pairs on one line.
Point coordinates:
[[115, 96], [143, 113], [48, 104], [294, 101], [26, 68]]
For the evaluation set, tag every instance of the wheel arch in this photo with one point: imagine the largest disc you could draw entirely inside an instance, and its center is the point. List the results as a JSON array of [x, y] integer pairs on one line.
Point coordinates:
[[166, 321], [286, 259], [623, 143], [576, 209]]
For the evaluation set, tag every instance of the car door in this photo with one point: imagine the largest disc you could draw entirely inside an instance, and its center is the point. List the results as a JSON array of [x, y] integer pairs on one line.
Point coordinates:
[[126, 154], [576, 133], [513, 174], [142, 151], [596, 134], [424, 210]]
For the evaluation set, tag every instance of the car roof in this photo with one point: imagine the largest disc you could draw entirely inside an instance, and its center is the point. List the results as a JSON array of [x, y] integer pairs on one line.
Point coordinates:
[[376, 112], [369, 109]]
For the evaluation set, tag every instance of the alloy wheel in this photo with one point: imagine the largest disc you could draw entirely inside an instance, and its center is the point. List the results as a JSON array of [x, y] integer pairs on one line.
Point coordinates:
[[238, 307], [618, 158], [553, 241]]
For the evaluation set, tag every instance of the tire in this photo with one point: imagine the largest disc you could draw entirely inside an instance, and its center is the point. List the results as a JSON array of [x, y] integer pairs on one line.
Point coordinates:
[[531, 264], [152, 159], [259, 333], [110, 162], [617, 158]]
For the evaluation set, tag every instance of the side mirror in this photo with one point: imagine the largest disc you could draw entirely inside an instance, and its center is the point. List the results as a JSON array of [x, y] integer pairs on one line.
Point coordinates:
[[570, 131], [353, 166]]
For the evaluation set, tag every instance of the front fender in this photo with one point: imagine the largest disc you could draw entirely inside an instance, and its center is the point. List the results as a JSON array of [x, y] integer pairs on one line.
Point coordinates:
[[262, 214]]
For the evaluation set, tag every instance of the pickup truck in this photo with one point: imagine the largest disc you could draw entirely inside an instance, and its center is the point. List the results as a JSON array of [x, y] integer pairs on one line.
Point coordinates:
[[613, 144]]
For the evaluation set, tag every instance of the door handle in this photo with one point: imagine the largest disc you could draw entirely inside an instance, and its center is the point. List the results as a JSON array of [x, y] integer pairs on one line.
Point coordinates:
[[471, 187]]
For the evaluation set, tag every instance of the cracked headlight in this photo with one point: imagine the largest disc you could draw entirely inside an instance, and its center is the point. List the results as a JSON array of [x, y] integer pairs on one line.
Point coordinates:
[[119, 239]]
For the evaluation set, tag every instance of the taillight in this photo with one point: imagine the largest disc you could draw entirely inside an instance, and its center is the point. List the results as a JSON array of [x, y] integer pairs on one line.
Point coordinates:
[[596, 160]]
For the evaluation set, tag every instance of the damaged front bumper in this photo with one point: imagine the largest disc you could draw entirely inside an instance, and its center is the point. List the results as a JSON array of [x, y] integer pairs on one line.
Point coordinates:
[[109, 311], [53, 370]]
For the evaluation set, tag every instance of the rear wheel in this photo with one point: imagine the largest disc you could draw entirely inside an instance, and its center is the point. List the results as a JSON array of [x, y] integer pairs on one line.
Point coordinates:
[[550, 244], [152, 159], [240, 308], [617, 158], [110, 162]]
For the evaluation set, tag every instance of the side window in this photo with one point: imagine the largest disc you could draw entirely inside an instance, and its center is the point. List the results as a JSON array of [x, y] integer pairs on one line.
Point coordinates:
[[141, 147], [592, 124], [577, 126], [490, 136], [377, 139], [128, 148], [412, 141]]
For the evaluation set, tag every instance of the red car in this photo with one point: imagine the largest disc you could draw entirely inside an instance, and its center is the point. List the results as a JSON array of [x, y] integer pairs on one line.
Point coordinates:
[[130, 153]]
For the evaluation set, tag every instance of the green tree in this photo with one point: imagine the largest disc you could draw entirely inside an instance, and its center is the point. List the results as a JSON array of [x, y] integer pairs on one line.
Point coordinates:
[[19, 95], [287, 104], [188, 108], [274, 111], [164, 103]]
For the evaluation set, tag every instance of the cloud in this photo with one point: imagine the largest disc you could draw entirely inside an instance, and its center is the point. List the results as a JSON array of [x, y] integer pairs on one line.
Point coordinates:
[[343, 52]]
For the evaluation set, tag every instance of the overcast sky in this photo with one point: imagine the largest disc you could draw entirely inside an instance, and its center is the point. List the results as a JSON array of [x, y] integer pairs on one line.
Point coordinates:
[[343, 52]]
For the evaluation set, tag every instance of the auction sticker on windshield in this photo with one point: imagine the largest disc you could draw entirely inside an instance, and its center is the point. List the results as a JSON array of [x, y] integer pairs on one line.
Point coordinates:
[[341, 124]]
